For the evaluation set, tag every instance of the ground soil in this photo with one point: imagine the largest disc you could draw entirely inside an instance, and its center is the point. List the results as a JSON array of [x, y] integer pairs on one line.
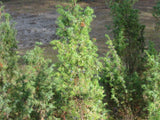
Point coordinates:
[[35, 21]]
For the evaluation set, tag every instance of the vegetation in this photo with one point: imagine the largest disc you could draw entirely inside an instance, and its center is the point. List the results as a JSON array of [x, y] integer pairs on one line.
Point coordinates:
[[125, 85], [156, 14], [8, 64], [152, 90], [124, 71], [128, 34], [26, 89], [77, 76]]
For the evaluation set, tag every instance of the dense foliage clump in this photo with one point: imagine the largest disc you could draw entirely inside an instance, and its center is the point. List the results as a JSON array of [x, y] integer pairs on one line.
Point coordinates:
[[156, 15], [152, 89], [26, 89], [130, 75], [32, 87], [80, 96], [126, 23]]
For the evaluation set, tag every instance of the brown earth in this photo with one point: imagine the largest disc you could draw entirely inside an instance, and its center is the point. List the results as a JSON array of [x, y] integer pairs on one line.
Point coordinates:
[[36, 22]]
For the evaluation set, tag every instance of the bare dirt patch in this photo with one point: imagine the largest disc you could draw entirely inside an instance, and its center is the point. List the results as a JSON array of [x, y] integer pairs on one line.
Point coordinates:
[[36, 21]]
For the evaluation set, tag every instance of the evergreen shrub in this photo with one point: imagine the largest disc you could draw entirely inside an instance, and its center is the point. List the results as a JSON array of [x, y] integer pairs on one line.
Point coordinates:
[[77, 81], [156, 15], [126, 24], [8, 64], [151, 86], [26, 90], [124, 63]]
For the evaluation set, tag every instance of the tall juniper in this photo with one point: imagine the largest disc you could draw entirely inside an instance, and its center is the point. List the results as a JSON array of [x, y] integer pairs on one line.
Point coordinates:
[[79, 93]]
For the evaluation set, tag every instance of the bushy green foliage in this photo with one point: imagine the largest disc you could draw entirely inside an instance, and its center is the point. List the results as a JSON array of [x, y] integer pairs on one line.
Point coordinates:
[[35, 86], [80, 96], [8, 45], [124, 63], [122, 90], [156, 14], [26, 91], [8, 64], [151, 49], [31, 89], [113, 79], [152, 74], [113, 74], [31, 95], [152, 89], [126, 24], [130, 76]]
